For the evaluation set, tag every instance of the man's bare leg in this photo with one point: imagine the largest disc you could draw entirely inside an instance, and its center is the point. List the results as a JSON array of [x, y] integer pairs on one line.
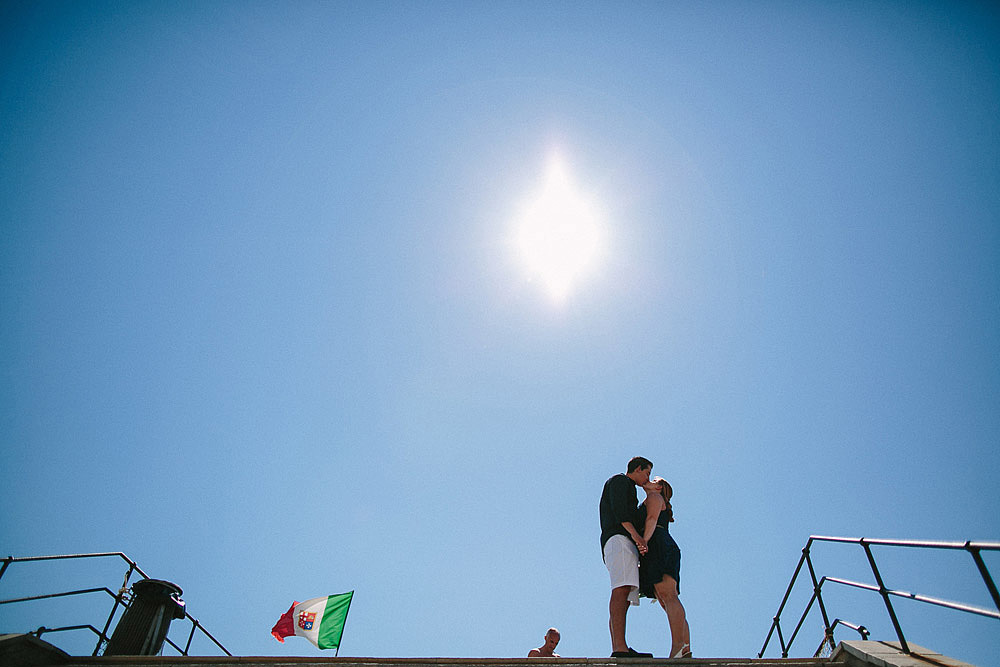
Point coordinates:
[[618, 607], [680, 634]]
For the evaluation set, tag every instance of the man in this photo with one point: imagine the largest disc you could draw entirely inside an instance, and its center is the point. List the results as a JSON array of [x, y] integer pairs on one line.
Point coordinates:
[[621, 544], [546, 649]]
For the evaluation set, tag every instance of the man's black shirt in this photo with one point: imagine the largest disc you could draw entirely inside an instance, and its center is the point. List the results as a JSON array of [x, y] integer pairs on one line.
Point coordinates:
[[618, 504]]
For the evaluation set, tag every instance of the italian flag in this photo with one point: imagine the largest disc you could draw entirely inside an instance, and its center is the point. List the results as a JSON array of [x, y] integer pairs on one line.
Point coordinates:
[[320, 620]]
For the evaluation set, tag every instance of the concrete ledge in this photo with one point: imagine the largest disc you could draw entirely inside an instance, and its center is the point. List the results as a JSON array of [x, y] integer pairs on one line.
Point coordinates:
[[847, 654], [889, 654], [272, 661]]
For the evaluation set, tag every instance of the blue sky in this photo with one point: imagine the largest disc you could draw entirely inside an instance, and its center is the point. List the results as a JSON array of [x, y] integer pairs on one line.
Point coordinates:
[[266, 330]]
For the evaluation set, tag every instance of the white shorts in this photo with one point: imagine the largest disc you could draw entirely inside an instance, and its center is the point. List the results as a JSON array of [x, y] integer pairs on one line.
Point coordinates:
[[622, 559]]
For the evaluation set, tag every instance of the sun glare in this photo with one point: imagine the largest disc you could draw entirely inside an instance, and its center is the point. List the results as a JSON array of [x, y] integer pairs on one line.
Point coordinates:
[[558, 233]]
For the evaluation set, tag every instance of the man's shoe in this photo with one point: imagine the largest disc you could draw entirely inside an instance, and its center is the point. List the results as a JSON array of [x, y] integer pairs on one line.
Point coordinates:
[[631, 653]]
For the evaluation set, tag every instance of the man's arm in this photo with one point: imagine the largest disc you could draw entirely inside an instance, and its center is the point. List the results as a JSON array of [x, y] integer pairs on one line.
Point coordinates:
[[640, 543], [534, 653], [624, 509]]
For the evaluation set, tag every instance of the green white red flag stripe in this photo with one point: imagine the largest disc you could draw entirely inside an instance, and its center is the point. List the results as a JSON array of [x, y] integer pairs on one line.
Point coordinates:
[[320, 620]]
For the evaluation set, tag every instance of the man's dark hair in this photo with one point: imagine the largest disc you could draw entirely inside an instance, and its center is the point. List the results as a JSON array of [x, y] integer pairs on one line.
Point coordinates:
[[638, 462]]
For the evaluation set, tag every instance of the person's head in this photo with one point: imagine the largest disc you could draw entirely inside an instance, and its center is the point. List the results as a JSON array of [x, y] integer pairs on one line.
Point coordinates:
[[638, 470], [661, 486], [551, 638]]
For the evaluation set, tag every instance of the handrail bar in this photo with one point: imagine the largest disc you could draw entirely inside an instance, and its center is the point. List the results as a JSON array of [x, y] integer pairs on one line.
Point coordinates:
[[988, 546], [860, 629], [920, 598], [972, 547], [38, 633], [103, 554], [61, 595], [118, 597]]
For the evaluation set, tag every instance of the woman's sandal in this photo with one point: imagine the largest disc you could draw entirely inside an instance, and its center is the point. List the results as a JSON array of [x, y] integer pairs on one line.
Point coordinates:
[[682, 652]]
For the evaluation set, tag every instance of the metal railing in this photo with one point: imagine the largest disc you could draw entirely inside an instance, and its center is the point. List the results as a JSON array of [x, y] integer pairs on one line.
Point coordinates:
[[973, 548], [121, 599], [829, 644]]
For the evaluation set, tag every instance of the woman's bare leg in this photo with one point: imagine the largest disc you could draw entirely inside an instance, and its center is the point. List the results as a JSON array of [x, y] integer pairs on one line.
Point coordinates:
[[680, 634]]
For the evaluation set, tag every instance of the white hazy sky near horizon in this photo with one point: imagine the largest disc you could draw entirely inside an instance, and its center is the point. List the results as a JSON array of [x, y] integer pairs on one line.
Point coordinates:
[[263, 329]]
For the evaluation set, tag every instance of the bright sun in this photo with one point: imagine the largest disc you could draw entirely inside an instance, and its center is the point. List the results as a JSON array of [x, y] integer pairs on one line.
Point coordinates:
[[558, 233]]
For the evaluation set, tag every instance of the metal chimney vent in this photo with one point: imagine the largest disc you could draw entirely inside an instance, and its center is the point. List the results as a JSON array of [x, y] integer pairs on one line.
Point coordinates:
[[145, 623]]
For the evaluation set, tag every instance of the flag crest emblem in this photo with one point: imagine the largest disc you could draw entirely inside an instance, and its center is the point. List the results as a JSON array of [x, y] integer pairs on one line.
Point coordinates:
[[306, 619]]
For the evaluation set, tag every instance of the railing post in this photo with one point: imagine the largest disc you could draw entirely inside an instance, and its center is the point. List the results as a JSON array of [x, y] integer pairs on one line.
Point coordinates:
[[828, 629], [194, 626], [776, 621], [798, 626], [6, 562], [884, 592], [103, 637], [118, 598], [982, 571]]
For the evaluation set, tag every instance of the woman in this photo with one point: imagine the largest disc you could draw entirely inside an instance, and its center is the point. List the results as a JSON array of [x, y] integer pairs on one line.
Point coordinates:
[[660, 567]]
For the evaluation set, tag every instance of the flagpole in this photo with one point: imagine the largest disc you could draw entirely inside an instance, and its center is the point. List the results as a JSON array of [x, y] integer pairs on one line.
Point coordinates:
[[336, 653]]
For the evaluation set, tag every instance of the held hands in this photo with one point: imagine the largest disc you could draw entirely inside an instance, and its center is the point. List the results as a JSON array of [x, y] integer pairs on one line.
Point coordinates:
[[641, 545]]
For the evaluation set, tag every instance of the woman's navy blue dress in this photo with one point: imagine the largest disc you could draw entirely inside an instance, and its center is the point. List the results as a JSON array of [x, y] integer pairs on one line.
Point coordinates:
[[663, 557]]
